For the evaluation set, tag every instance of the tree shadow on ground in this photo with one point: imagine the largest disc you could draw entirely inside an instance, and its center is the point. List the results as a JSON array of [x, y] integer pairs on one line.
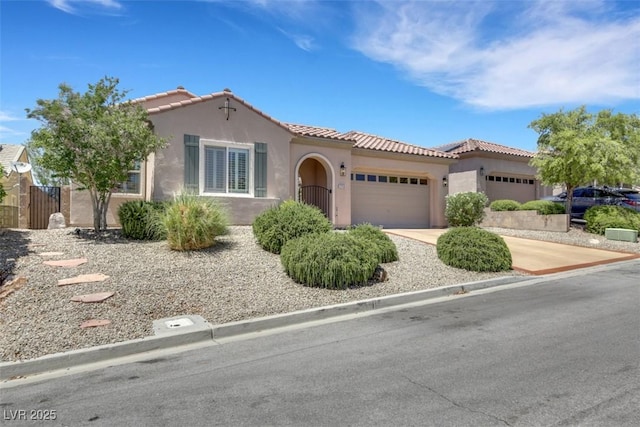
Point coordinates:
[[14, 244]]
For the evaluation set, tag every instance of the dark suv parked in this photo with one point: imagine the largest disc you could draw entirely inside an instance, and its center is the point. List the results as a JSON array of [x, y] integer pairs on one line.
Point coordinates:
[[585, 197]]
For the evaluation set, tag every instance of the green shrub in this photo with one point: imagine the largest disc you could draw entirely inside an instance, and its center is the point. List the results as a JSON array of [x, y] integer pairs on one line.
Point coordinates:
[[473, 249], [277, 225], [544, 207], [141, 220], [465, 209], [599, 218], [504, 205], [329, 260], [387, 251], [193, 222]]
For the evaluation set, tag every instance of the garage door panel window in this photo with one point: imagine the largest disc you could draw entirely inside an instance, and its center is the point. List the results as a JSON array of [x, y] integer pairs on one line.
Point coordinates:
[[509, 179], [385, 179]]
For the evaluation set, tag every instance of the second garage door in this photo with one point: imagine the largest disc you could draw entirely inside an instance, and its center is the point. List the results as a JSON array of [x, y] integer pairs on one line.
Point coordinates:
[[510, 187], [390, 201]]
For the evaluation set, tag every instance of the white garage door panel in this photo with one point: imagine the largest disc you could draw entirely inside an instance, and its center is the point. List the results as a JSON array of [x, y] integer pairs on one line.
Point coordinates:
[[390, 205], [510, 191]]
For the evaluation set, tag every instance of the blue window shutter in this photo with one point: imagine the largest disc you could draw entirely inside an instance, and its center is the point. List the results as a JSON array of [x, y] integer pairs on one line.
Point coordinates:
[[191, 162], [260, 170]]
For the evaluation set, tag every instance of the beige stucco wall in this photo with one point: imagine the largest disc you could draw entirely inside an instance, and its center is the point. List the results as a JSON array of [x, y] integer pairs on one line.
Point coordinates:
[[419, 166], [244, 126], [81, 208], [330, 156], [463, 182]]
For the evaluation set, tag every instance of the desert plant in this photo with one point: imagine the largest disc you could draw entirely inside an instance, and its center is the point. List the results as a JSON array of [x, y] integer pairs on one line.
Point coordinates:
[[465, 209], [544, 207], [141, 220], [473, 249], [193, 222], [387, 251], [289, 220], [329, 260], [504, 205], [601, 217]]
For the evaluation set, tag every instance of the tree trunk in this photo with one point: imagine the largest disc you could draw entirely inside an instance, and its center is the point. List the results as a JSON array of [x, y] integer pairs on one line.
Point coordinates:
[[100, 203], [567, 207]]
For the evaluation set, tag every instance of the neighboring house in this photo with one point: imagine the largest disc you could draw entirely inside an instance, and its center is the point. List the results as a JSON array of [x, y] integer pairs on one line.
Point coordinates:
[[10, 181], [221, 146], [499, 171]]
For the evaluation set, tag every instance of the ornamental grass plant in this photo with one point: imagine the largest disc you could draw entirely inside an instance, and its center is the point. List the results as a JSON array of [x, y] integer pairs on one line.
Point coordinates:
[[194, 222]]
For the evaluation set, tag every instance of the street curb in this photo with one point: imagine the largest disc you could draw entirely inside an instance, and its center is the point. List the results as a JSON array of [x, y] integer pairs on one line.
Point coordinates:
[[207, 332]]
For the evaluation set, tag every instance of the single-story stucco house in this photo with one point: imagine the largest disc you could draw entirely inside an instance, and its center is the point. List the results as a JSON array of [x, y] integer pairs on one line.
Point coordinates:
[[221, 146]]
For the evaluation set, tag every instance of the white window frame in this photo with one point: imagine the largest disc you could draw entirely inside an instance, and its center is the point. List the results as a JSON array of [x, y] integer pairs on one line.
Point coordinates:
[[249, 147], [138, 171]]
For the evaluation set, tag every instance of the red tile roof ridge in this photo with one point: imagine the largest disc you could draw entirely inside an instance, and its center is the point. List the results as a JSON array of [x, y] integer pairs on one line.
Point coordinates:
[[317, 131], [163, 94], [472, 144], [380, 143]]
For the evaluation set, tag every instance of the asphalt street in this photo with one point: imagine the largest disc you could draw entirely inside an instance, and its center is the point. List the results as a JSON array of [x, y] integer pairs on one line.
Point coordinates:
[[565, 351]]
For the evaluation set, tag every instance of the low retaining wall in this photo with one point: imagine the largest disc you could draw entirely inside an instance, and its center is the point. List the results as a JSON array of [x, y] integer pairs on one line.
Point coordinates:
[[525, 220]]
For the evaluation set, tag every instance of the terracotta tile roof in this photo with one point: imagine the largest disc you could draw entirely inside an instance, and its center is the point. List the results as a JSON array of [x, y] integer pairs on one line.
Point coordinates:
[[317, 132], [226, 93], [179, 90], [470, 144], [9, 153], [378, 143]]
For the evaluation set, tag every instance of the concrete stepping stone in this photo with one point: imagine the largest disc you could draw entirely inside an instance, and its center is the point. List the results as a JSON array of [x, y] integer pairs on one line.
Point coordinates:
[[95, 322], [51, 253], [91, 298], [66, 262], [83, 278]]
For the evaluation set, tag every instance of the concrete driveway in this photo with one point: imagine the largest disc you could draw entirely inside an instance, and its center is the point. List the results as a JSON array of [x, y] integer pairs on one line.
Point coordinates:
[[534, 256]]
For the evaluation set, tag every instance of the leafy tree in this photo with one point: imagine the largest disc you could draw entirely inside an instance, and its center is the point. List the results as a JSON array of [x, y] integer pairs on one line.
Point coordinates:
[[576, 148], [3, 193], [41, 174], [93, 138]]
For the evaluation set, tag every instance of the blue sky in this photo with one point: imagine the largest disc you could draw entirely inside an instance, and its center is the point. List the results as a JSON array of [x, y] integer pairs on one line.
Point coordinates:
[[422, 72]]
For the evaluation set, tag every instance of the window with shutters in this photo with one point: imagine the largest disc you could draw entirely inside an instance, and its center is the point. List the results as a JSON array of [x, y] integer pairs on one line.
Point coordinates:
[[227, 168]]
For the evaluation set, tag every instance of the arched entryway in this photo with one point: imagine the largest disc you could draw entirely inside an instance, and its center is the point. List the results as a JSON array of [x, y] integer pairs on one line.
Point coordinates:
[[314, 184]]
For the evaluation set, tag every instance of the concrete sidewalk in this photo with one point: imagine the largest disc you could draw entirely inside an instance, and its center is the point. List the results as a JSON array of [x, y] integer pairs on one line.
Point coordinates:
[[534, 256]]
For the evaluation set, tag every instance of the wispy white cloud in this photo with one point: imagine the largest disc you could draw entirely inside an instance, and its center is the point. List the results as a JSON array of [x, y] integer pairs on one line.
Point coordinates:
[[508, 55], [304, 42], [5, 116], [71, 6]]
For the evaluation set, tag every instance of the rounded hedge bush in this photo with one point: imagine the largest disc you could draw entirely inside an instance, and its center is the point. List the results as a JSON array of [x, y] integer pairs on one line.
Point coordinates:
[[141, 220], [544, 207], [504, 205], [599, 218], [277, 225], [387, 251], [329, 260], [465, 209], [193, 222], [473, 249]]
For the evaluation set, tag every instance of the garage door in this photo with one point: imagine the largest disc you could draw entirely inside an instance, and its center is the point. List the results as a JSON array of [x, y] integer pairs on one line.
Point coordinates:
[[510, 187], [390, 201]]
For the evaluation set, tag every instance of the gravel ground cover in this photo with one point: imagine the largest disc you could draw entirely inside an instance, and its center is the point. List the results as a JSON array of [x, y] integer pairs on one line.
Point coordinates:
[[235, 280]]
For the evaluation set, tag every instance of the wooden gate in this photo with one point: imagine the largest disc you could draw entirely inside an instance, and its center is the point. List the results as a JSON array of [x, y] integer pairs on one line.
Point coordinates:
[[43, 202], [316, 195]]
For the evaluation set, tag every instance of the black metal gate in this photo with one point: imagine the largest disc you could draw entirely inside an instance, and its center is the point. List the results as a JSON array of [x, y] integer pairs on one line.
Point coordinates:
[[316, 195], [43, 202]]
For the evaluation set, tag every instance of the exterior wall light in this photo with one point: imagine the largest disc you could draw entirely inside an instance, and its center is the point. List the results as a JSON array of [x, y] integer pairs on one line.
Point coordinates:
[[481, 170], [444, 181], [343, 169]]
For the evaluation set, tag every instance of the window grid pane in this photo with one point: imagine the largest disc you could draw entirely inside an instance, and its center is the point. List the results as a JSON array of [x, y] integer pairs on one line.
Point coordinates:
[[214, 177]]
